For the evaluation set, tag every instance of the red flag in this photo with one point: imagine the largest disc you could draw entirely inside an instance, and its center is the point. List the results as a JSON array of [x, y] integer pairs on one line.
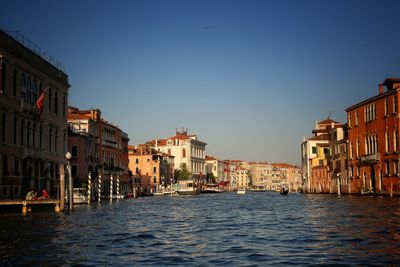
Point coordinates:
[[40, 102]]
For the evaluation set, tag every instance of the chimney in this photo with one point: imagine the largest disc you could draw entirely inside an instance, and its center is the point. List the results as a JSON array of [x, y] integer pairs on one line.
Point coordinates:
[[380, 89], [156, 142]]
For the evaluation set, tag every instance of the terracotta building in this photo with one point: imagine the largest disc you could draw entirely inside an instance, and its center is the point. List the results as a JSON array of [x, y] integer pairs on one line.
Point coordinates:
[[100, 148], [374, 141], [154, 168], [33, 143]]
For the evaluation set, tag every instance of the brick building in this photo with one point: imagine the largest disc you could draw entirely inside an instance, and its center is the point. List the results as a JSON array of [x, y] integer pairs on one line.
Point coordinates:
[[374, 141], [99, 147], [33, 145]]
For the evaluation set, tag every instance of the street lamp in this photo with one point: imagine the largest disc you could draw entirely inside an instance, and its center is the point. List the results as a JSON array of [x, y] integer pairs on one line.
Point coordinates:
[[70, 186]]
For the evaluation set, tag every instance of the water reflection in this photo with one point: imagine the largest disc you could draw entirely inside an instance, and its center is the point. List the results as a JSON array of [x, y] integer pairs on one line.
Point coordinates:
[[221, 229]]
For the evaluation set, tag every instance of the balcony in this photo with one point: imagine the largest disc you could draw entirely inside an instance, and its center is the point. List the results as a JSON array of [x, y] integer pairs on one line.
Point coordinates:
[[31, 153], [371, 158]]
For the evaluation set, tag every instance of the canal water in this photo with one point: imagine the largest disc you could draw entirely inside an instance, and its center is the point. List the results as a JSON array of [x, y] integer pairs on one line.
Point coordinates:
[[255, 229]]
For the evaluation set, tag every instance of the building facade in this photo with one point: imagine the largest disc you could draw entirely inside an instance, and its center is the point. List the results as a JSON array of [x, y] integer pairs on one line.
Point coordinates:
[[374, 141], [100, 148], [311, 155], [217, 167], [243, 178], [155, 169], [33, 142], [188, 152]]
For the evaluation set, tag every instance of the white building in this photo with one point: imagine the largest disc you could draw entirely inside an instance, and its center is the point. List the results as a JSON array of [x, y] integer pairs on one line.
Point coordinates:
[[188, 151], [243, 177], [216, 167], [309, 148]]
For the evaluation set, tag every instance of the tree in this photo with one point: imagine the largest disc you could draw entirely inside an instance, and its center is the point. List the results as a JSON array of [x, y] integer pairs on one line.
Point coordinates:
[[182, 173], [210, 178]]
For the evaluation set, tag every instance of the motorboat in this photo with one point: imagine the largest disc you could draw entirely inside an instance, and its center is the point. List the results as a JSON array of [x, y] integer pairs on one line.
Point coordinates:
[[80, 196], [241, 191]]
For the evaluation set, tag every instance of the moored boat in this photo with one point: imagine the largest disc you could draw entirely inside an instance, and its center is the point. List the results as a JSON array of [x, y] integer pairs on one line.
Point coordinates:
[[241, 191]]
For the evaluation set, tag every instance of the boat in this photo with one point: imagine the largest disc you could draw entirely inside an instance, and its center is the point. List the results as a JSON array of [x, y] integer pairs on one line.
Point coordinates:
[[259, 189], [241, 191], [80, 196], [187, 187], [284, 191]]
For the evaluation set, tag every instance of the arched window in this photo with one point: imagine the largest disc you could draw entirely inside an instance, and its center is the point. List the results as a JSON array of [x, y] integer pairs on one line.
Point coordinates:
[[3, 127], [22, 135], [34, 135], [23, 86], [28, 133], [15, 132], [29, 85], [55, 141], [34, 91], [56, 102], [50, 139], [50, 96], [15, 78]]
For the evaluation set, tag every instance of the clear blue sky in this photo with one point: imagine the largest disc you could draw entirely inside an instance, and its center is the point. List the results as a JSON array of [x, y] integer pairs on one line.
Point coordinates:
[[249, 77]]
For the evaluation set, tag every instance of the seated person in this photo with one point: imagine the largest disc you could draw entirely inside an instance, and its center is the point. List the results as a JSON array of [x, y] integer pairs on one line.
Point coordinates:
[[45, 195], [31, 195]]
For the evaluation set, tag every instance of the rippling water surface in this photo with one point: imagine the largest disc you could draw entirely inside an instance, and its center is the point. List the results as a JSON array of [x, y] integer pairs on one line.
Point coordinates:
[[208, 230]]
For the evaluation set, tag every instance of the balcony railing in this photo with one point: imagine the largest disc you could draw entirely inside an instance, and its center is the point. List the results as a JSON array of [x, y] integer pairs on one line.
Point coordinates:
[[371, 158]]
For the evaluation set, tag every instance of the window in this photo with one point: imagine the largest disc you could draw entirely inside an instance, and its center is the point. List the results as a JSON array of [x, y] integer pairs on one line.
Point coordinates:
[[395, 167], [169, 151], [4, 76], [5, 166], [349, 119], [395, 138], [395, 104], [50, 139], [356, 117], [357, 147], [387, 163], [137, 160], [56, 102], [16, 167], [28, 133], [154, 169], [15, 77], [155, 179], [74, 170], [137, 170], [56, 141], [22, 132], [50, 96], [386, 106], [387, 141], [326, 151], [34, 91], [314, 149], [183, 153], [74, 151], [15, 132], [34, 135], [3, 127]]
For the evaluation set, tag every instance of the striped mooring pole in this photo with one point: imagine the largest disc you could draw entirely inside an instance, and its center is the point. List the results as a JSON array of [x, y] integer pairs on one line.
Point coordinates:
[[118, 196], [89, 194], [111, 187], [99, 189]]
